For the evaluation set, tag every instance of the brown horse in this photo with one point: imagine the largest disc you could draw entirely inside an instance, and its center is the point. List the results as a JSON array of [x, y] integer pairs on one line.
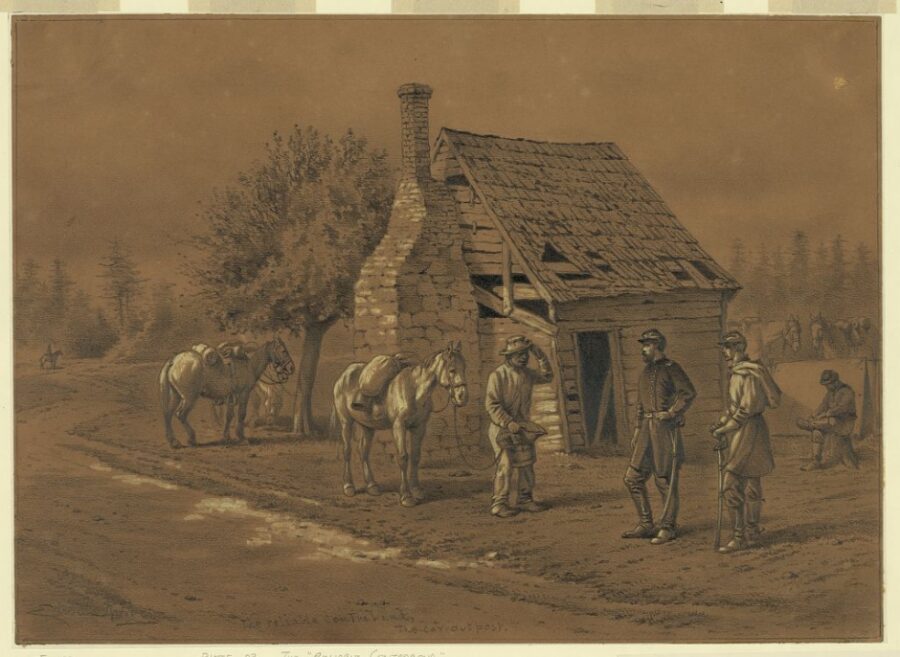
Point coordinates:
[[187, 376], [404, 408]]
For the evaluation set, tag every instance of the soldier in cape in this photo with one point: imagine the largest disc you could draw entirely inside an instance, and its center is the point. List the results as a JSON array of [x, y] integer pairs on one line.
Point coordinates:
[[743, 434]]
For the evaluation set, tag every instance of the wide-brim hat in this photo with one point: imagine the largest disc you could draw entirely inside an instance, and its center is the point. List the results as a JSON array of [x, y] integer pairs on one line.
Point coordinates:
[[828, 377], [516, 344]]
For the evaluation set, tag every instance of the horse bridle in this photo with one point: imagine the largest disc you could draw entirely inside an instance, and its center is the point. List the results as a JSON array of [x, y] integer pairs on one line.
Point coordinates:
[[280, 377], [451, 389]]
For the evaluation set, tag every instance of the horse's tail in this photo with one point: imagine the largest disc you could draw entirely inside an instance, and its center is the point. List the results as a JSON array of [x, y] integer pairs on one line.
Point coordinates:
[[334, 427], [165, 387]]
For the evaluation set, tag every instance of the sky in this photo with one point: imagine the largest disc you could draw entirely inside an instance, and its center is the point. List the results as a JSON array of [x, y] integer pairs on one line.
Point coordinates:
[[746, 127]]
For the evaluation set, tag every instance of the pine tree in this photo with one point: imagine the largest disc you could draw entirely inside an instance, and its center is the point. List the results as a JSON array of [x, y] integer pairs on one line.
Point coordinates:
[[779, 297], [123, 283], [57, 299], [863, 289], [761, 282], [837, 279], [738, 259], [29, 294], [798, 285], [821, 271]]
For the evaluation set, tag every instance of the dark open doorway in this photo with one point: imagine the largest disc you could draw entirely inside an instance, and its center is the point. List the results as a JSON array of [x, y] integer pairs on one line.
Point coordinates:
[[597, 387]]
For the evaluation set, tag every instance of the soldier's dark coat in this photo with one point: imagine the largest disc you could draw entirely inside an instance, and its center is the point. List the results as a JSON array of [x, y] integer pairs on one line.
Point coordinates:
[[663, 386]]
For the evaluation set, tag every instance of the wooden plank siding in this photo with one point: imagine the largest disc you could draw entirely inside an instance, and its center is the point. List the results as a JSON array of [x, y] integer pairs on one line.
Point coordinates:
[[545, 403], [692, 324]]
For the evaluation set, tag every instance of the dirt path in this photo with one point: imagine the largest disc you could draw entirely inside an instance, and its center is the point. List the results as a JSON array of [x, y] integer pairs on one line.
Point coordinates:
[[120, 538]]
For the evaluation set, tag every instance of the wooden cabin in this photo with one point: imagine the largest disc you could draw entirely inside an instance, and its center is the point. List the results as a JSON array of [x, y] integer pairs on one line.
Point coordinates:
[[568, 244]]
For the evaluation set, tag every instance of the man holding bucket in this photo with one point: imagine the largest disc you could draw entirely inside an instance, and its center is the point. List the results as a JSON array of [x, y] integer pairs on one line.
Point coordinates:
[[512, 435]]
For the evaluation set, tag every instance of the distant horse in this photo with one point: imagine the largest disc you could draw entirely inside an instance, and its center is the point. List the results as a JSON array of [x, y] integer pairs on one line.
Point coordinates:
[[786, 340], [50, 359], [404, 408], [187, 376], [818, 334], [773, 341]]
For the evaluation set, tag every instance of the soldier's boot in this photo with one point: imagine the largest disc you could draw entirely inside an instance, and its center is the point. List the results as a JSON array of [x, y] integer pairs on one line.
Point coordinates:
[[503, 511], [753, 530], [737, 542], [644, 528], [816, 462]]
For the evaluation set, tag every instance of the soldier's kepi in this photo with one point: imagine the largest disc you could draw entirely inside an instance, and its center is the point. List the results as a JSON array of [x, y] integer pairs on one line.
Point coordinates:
[[744, 436], [664, 394]]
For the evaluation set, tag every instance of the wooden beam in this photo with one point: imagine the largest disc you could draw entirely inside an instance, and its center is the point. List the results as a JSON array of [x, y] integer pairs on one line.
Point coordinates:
[[508, 288], [531, 320], [623, 417], [520, 291], [500, 227]]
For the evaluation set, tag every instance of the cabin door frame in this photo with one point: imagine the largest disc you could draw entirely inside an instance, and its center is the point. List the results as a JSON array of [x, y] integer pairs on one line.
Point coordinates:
[[610, 393]]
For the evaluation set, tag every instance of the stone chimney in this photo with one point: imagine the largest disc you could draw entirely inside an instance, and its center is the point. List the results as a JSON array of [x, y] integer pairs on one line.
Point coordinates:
[[413, 294], [414, 145]]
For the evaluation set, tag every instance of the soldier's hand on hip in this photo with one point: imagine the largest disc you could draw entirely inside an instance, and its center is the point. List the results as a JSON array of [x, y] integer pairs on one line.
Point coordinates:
[[513, 427]]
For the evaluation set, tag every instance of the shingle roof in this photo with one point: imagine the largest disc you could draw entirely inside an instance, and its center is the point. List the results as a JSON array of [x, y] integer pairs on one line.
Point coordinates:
[[584, 219]]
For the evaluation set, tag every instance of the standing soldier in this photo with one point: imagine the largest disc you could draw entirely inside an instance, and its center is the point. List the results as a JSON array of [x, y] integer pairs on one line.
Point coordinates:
[[508, 403], [743, 434], [832, 424], [665, 393]]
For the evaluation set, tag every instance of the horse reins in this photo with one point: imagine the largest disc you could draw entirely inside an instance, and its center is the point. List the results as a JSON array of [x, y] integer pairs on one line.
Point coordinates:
[[459, 449]]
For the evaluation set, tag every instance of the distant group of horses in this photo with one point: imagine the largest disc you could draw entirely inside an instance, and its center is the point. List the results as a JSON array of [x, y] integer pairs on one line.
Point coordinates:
[[783, 341]]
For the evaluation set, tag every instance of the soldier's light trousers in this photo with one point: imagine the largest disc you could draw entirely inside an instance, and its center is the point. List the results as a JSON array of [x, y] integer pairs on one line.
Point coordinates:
[[744, 498]]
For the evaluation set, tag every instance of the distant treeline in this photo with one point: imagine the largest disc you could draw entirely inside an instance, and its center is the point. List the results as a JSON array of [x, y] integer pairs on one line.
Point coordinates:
[[797, 278], [50, 308]]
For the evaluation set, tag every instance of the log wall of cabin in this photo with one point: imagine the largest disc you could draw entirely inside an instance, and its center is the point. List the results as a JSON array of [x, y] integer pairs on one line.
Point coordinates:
[[692, 324], [545, 407], [481, 241]]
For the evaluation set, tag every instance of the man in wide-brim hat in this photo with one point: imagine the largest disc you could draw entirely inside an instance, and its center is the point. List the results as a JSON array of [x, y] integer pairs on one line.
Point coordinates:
[[508, 403], [832, 425], [743, 434], [664, 395]]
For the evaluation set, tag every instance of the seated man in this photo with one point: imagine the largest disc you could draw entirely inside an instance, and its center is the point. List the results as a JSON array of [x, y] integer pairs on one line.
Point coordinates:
[[832, 425]]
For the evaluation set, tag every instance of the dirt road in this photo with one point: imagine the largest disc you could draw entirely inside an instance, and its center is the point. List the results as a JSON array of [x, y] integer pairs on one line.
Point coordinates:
[[121, 539]]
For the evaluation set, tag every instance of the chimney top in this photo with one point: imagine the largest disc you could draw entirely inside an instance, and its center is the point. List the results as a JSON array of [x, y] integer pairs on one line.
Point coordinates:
[[414, 88]]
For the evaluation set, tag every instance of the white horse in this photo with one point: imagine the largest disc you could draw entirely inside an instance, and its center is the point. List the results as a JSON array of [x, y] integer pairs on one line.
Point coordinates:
[[404, 407]]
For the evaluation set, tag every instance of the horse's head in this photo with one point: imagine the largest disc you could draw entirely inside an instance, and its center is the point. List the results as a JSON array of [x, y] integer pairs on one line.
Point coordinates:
[[451, 373], [280, 359]]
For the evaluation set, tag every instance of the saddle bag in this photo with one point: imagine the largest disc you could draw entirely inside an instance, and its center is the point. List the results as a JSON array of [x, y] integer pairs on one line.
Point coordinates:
[[377, 373], [209, 355]]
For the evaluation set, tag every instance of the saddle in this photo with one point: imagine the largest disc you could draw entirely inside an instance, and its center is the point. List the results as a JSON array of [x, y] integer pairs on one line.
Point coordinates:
[[375, 377], [223, 354]]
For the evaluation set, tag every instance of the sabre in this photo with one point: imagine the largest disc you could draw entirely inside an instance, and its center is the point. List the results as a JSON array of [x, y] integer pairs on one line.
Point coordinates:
[[720, 458]]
